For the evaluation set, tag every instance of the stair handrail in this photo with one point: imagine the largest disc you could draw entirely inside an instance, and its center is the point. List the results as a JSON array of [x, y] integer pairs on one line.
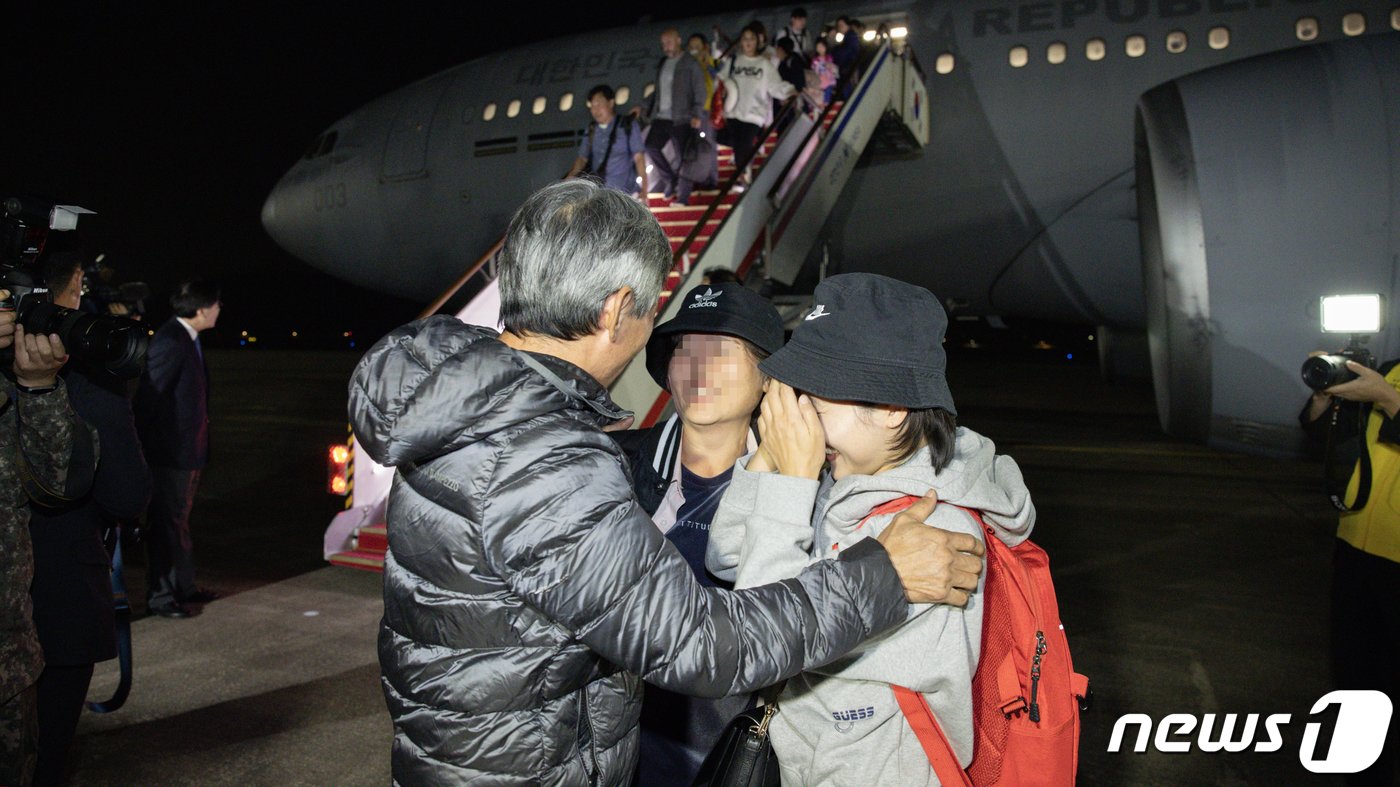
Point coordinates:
[[817, 129]]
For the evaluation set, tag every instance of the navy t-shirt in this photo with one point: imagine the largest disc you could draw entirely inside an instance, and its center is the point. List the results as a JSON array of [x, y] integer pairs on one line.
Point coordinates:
[[691, 533], [678, 731]]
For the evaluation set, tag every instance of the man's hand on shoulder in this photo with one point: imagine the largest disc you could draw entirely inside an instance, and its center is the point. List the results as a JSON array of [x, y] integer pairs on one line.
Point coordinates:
[[935, 565]]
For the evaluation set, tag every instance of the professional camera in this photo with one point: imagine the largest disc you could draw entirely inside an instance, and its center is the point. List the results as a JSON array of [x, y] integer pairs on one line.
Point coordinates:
[[1358, 315], [1325, 371], [117, 344]]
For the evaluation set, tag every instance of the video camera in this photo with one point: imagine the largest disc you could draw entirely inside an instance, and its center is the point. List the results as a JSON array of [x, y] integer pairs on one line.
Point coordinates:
[[116, 344], [1358, 315]]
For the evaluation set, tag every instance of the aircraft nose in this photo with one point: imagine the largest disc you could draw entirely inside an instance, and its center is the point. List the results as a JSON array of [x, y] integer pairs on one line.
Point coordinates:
[[283, 216]]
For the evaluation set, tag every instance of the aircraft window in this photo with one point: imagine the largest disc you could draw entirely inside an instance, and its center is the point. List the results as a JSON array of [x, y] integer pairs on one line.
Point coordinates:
[[1395, 19], [1307, 28], [513, 108], [1135, 46], [469, 113], [623, 93], [566, 102], [944, 64], [328, 143], [648, 90], [540, 103], [1019, 56], [1055, 53], [489, 112], [1354, 24], [1095, 49], [1219, 37], [1176, 42]]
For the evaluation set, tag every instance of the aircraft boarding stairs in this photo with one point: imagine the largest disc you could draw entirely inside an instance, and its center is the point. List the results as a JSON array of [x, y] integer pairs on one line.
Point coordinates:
[[797, 176]]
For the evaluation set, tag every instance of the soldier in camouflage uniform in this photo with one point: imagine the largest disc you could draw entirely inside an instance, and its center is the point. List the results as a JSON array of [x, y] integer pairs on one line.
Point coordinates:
[[37, 441]]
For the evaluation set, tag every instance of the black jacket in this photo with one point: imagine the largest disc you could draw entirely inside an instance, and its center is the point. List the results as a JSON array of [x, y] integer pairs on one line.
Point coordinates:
[[526, 594], [172, 402], [72, 590]]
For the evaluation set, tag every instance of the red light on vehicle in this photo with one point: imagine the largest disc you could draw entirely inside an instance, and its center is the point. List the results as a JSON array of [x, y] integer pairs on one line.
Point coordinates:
[[338, 472]]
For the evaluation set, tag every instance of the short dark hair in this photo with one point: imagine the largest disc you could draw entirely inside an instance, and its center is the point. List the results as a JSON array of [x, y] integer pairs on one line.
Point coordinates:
[[785, 44], [700, 36], [58, 269], [933, 427], [798, 13], [191, 296], [720, 274], [606, 90]]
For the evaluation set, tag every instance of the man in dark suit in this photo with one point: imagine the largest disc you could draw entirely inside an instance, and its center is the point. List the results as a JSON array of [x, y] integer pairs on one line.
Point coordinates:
[[172, 417], [72, 589]]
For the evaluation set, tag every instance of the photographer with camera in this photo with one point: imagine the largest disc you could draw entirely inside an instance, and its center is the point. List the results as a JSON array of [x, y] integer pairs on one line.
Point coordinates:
[[72, 592], [45, 456], [1366, 564]]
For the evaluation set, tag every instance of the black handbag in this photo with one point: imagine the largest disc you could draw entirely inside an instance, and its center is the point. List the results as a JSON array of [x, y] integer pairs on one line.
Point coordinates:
[[743, 756]]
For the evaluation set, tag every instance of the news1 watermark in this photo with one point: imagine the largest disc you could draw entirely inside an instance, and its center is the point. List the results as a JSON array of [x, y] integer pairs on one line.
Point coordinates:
[[1352, 735]]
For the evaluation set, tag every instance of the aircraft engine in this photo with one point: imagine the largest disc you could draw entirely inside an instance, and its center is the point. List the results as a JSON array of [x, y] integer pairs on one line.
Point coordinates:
[[1264, 185]]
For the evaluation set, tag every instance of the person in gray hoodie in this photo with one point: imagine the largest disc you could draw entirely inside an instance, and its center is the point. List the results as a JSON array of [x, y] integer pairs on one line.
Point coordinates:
[[861, 390]]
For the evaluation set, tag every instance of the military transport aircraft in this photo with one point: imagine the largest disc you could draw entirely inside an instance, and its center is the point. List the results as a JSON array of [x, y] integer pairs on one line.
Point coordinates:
[[1189, 175]]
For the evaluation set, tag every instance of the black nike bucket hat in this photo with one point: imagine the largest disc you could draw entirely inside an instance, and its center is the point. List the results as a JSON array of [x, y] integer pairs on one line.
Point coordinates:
[[869, 339], [728, 308]]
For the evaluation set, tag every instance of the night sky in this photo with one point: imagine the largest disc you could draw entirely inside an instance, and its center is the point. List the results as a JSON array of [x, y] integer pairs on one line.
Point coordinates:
[[174, 120]]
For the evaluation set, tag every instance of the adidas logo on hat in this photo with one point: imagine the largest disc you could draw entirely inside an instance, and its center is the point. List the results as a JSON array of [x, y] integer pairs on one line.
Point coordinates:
[[820, 311], [706, 299]]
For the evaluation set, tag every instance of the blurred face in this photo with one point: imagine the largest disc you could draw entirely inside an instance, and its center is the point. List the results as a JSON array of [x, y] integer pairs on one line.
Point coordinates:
[[799, 23], [842, 27], [821, 47], [602, 108], [858, 437], [748, 43], [696, 47], [671, 43], [714, 379]]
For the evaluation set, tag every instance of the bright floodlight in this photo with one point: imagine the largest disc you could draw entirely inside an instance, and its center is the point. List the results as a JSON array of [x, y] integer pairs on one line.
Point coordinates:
[[869, 35], [899, 32], [1351, 313]]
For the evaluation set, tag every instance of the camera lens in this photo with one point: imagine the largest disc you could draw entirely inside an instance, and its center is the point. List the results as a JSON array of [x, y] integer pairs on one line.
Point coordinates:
[[119, 345], [1325, 371]]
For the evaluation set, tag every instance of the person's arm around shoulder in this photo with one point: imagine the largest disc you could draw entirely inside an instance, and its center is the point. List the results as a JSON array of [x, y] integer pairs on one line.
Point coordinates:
[[955, 629], [611, 578]]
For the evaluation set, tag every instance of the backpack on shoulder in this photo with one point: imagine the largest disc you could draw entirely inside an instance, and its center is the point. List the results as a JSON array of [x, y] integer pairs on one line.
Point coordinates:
[[1026, 696]]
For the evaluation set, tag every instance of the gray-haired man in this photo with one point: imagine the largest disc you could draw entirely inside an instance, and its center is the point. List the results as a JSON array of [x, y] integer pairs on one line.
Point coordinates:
[[526, 594]]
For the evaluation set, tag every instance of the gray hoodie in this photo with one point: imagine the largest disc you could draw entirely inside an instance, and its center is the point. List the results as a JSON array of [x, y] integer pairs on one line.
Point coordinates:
[[840, 724]]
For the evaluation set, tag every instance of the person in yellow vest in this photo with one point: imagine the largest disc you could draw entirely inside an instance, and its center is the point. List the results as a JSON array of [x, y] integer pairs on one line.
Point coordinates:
[[1366, 567]]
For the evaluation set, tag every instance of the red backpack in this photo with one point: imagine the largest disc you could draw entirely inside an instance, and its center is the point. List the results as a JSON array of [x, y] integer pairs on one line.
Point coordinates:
[[1026, 696]]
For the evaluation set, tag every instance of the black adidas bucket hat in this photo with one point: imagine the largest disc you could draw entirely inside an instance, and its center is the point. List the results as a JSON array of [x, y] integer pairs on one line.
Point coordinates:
[[729, 308]]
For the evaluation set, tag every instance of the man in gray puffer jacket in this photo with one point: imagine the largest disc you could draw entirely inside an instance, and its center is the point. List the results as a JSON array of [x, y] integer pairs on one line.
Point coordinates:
[[526, 594]]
